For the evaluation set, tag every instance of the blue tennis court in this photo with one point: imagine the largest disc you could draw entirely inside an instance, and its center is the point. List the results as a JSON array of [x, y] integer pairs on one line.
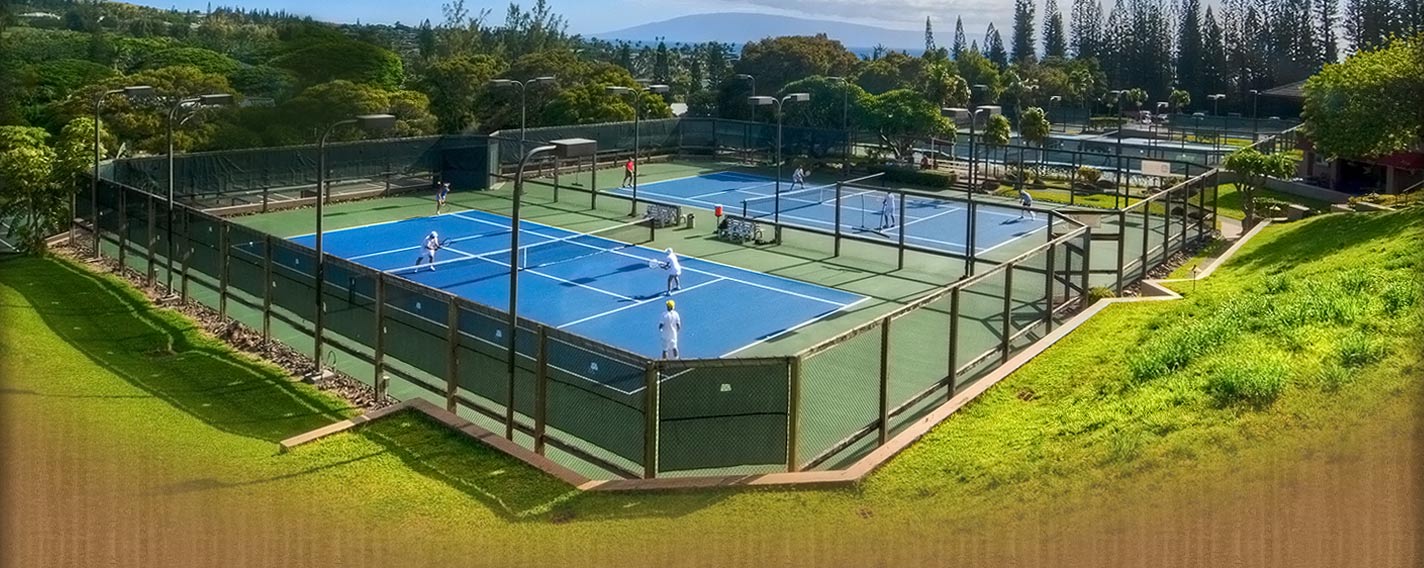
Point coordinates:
[[934, 224], [596, 285]]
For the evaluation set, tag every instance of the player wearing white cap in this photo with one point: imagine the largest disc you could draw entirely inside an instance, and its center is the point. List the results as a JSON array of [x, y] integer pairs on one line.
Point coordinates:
[[674, 269], [669, 327], [427, 250]]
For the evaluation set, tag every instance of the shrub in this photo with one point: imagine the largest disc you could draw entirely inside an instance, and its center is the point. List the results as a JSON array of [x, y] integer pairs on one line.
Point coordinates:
[[1358, 349], [1333, 377], [1099, 293], [1256, 383], [1089, 175], [1398, 296], [912, 176]]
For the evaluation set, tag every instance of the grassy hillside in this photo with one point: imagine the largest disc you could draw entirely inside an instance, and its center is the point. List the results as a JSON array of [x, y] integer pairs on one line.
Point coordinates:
[[1312, 330]]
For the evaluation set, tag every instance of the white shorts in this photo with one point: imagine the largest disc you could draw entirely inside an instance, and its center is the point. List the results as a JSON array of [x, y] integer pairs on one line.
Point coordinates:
[[426, 254]]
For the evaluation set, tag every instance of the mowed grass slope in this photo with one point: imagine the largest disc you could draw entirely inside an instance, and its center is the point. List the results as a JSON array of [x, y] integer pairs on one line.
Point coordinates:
[[1311, 331]]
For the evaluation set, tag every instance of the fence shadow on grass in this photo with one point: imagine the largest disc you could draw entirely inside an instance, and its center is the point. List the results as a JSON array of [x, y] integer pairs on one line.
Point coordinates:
[[513, 489], [165, 355]]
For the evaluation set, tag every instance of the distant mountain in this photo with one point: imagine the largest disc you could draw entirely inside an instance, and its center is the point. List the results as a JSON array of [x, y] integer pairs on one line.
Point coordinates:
[[738, 28]]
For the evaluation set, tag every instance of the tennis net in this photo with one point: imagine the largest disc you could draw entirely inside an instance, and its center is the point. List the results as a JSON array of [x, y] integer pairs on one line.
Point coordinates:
[[759, 207], [582, 245]]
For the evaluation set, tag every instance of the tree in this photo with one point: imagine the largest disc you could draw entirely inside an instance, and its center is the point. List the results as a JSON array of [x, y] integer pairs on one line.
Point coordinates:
[[929, 37], [1255, 169], [1023, 31], [996, 132], [209, 61], [1055, 37], [994, 47], [1180, 100], [959, 40], [1034, 126], [903, 116], [1326, 13], [1087, 23], [348, 60], [454, 83], [1214, 64], [1367, 106], [31, 203], [942, 87], [1370, 23], [1189, 47], [976, 69], [780, 60], [832, 102]]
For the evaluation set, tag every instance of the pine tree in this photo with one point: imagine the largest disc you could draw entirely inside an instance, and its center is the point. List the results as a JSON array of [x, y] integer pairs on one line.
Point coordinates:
[[929, 36], [1326, 12], [1023, 31], [1369, 23], [1087, 28], [1213, 68], [1055, 41], [994, 47], [1113, 51], [1189, 49], [959, 40]]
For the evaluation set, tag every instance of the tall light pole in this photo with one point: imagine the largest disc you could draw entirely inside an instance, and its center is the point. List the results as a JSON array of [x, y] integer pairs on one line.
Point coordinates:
[[369, 123], [193, 105], [1119, 94], [132, 92], [1216, 111], [845, 121], [747, 78], [568, 148], [637, 103], [1255, 115], [778, 105], [523, 100]]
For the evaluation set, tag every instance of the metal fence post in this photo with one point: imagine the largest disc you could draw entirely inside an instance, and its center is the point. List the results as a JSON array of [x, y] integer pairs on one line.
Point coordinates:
[[884, 381], [1048, 286], [953, 340], [593, 182], [793, 416], [152, 243], [123, 226], [1007, 326], [541, 391], [837, 246], [187, 250], [900, 221], [379, 358], [224, 271], [267, 285], [452, 353], [1147, 235], [650, 420], [1121, 251], [970, 238]]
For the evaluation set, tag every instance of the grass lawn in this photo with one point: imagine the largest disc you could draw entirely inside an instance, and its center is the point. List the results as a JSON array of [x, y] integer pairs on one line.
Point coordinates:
[[1312, 330], [1230, 204]]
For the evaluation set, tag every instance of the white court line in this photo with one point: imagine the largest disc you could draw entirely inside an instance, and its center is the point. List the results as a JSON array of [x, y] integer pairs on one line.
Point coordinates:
[[641, 303], [644, 259], [746, 189], [940, 214], [391, 222], [1020, 237], [791, 329], [408, 249], [488, 257]]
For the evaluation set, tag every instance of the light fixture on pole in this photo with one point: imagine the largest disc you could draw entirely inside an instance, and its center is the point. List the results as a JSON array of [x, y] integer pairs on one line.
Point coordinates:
[[193, 105], [131, 93], [747, 78], [637, 127], [1119, 95], [368, 123], [565, 149], [523, 101], [779, 105], [1216, 111], [1052, 109]]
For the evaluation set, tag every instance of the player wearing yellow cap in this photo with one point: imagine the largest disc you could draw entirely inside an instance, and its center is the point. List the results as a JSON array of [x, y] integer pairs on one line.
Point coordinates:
[[669, 328]]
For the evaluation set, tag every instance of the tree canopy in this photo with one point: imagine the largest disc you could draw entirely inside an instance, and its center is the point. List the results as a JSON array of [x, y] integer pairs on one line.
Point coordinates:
[[1368, 105]]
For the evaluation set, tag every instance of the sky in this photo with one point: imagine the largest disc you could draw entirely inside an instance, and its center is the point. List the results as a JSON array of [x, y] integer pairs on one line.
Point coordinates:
[[596, 16]]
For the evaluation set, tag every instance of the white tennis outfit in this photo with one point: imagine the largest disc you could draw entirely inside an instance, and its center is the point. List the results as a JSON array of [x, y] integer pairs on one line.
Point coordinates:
[[669, 328], [427, 250], [674, 269], [887, 211]]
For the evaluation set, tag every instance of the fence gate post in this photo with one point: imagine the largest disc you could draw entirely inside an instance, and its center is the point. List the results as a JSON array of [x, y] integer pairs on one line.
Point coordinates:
[[267, 285], [452, 353], [953, 341], [1007, 326], [884, 381], [379, 360], [541, 390], [1121, 251], [971, 228], [593, 182], [837, 246], [187, 250], [1147, 236], [224, 248], [1049, 304], [650, 420], [152, 243], [793, 415], [123, 227], [900, 222]]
